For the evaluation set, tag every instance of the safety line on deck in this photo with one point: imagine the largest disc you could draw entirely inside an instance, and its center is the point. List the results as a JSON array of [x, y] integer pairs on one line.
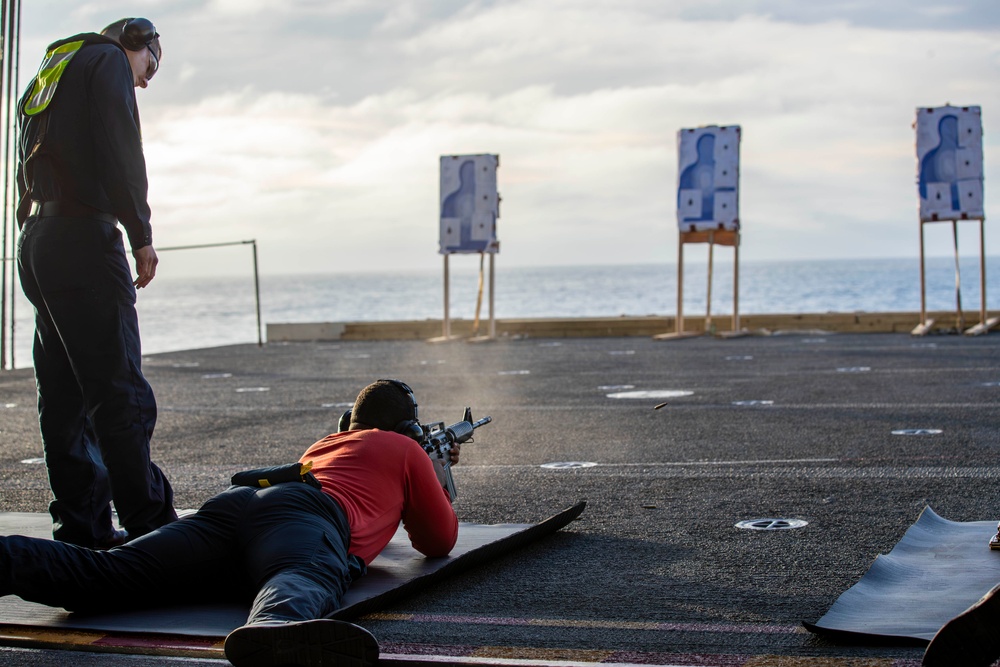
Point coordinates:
[[416, 655], [746, 628]]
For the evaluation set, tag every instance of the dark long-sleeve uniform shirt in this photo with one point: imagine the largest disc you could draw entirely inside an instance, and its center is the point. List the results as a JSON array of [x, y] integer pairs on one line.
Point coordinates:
[[91, 153]]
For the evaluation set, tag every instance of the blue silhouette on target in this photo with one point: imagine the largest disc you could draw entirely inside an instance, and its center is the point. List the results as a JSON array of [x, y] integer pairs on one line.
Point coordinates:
[[462, 203], [701, 176], [940, 163]]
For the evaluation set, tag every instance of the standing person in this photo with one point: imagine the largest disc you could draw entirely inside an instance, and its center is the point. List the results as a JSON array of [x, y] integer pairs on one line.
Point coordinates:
[[292, 547], [80, 171]]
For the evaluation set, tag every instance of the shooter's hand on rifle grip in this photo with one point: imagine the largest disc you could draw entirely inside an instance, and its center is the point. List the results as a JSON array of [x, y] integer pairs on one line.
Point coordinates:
[[439, 470], [453, 454]]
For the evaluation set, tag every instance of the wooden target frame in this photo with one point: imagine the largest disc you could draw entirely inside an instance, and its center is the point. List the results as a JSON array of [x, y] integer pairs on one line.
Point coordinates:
[[949, 143], [713, 238]]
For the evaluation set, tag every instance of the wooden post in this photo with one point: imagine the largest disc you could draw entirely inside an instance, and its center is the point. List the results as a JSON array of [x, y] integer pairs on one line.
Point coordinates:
[[679, 324], [708, 292], [924, 327], [923, 279], [736, 285], [492, 334], [982, 270], [479, 294], [493, 322], [985, 322], [446, 322], [493, 326], [960, 316]]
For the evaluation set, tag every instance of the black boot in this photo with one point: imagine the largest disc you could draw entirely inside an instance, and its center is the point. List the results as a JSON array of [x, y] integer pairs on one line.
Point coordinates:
[[319, 643], [971, 639]]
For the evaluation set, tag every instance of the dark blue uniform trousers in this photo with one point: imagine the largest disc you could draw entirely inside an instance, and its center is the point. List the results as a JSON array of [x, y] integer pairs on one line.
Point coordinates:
[[284, 547], [96, 411]]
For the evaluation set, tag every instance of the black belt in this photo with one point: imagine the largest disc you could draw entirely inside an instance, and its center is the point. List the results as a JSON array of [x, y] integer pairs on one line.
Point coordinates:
[[62, 209]]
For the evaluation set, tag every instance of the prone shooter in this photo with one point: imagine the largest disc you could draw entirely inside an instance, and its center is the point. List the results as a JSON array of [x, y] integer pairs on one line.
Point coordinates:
[[435, 438]]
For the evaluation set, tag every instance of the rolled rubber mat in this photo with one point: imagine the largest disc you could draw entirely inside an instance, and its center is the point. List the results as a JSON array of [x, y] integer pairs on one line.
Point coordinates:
[[937, 570], [396, 572]]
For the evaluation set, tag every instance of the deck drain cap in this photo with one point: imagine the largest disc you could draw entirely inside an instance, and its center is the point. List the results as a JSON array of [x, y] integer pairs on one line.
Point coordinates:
[[562, 465], [771, 524]]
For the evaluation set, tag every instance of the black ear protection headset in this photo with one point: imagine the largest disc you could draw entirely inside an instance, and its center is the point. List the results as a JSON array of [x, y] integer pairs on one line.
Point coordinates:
[[411, 428], [137, 34]]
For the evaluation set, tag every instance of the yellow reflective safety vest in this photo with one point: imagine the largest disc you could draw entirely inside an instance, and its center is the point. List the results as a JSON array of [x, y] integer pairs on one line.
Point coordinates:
[[47, 79]]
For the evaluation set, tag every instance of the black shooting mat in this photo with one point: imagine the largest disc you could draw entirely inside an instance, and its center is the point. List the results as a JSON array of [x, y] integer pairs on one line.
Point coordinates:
[[936, 571], [396, 572]]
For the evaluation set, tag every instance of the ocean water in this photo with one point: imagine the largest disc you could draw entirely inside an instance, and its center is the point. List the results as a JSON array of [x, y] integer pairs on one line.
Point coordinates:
[[177, 312]]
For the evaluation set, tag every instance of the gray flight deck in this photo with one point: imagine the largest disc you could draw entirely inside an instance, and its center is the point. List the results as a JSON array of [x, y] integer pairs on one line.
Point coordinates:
[[780, 427]]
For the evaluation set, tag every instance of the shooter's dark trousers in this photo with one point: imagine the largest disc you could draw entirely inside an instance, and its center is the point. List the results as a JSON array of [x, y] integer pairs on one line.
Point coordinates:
[[284, 546], [96, 411]]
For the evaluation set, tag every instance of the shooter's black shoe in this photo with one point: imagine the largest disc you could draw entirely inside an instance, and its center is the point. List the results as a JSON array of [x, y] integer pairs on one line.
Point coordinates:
[[971, 639], [319, 643]]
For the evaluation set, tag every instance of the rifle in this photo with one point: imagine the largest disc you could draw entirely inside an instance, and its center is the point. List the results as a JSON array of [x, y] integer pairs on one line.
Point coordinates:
[[439, 439]]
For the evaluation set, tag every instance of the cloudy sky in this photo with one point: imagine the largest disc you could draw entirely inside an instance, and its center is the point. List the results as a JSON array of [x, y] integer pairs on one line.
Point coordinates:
[[315, 127]]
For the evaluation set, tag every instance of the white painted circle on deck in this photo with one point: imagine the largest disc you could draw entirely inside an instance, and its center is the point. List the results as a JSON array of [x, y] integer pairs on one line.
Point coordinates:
[[652, 393]]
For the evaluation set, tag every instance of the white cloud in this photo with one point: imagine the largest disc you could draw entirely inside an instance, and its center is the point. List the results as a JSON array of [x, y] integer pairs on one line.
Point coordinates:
[[315, 125]]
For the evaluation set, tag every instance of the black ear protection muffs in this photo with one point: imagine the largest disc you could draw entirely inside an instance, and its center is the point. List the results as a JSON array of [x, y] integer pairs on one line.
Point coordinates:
[[137, 34], [411, 428], [345, 422]]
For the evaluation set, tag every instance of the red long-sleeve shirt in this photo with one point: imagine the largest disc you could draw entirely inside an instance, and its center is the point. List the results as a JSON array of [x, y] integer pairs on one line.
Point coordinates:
[[380, 478]]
